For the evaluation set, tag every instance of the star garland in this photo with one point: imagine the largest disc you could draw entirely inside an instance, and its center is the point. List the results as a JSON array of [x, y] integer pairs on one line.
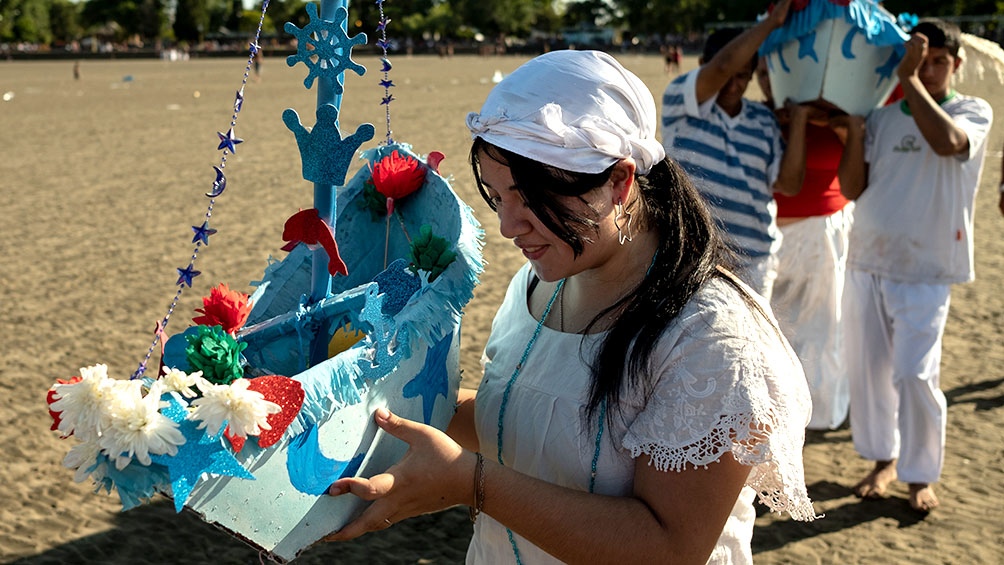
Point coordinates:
[[386, 83], [228, 144]]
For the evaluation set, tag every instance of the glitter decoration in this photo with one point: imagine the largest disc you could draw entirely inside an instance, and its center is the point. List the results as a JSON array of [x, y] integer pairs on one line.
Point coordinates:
[[202, 455], [398, 285], [285, 392], [324, 154], [325, 48]]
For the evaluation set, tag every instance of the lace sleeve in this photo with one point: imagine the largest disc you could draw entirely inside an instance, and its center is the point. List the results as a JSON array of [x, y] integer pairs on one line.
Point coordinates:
[[728, 383]]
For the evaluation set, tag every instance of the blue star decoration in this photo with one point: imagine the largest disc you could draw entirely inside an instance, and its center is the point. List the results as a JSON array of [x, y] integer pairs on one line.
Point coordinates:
[[384, 329], [202, 233], [219, 185], [432, 380], [324, 154], [229, 140], [325, 48], [186, 275], [807, 46], [199, 455], [239, 100]]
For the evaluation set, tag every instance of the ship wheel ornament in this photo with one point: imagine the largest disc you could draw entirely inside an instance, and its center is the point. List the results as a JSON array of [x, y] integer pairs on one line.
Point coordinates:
[[325, 48]]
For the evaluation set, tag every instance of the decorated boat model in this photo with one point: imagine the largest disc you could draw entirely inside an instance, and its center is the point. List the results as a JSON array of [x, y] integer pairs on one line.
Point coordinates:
[[259, 407], [840, 52]]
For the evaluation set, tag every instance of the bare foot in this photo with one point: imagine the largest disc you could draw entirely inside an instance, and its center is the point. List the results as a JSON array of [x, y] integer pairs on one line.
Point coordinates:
[[874, 484], [922, 497]]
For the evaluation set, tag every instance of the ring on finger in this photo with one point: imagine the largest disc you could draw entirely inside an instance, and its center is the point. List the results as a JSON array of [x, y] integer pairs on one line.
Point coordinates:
[[389, 523]]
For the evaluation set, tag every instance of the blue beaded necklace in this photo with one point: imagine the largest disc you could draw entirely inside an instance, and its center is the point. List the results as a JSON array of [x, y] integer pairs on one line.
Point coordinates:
[[505, 404]]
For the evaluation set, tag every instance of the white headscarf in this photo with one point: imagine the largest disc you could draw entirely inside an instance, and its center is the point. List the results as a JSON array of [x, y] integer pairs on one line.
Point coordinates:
[[580, 111]]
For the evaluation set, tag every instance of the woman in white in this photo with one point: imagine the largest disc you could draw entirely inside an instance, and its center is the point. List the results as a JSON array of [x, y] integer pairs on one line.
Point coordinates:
[[636, 396]]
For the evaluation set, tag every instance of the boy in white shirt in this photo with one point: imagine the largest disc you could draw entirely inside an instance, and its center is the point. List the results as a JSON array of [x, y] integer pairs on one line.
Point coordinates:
[[914, 169]]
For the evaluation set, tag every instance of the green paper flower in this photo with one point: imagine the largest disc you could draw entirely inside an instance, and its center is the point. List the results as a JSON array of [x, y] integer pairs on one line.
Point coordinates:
[[430, 253], [216, 354]]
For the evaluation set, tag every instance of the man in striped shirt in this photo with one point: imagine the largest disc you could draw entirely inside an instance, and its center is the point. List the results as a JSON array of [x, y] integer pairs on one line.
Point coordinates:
[[732, 147]]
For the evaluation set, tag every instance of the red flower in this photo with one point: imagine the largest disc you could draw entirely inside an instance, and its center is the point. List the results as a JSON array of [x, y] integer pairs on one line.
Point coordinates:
[[50, 398], [224, 307], [396, 176]]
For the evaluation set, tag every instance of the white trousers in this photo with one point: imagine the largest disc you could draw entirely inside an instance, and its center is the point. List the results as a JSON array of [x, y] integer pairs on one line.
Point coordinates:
[[806, 300], [760, 274], [893, 337]]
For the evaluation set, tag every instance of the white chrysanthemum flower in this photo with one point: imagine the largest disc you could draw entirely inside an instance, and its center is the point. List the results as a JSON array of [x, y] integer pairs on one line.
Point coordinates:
[[181, 382], [138, 429], [81, 404], [246, 411], [83, 458]]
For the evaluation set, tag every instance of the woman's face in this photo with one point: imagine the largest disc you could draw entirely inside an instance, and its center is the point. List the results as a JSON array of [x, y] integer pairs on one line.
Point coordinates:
[[551, 257]]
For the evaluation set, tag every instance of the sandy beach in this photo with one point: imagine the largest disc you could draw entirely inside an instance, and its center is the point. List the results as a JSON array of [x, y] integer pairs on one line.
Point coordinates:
[[101, 178]]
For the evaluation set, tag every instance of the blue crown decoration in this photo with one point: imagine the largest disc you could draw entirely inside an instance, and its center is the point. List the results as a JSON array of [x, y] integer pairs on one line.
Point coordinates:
[[325, 48], [323, 152]]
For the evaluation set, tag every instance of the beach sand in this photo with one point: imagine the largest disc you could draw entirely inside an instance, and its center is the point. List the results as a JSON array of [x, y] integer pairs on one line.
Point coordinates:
[[101, 179]]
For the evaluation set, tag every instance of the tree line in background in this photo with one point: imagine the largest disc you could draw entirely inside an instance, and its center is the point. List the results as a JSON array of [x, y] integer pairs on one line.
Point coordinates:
[[155, 22]]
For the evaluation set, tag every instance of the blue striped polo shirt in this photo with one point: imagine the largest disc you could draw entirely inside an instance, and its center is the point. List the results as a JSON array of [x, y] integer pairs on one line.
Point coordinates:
[[733, 162]]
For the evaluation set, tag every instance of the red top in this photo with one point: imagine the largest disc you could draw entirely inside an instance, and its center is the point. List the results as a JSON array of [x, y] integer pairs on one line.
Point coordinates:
[[820, 194], [895, 96]]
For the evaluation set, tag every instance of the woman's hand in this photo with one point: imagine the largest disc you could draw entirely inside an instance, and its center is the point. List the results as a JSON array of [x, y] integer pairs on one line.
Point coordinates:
[[434, 474]]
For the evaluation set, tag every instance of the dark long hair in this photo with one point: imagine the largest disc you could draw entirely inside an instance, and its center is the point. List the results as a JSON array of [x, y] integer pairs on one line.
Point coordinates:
[[690, 252]]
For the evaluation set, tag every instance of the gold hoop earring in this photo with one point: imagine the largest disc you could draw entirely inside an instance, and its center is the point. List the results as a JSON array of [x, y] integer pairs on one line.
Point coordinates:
[[622, 220]]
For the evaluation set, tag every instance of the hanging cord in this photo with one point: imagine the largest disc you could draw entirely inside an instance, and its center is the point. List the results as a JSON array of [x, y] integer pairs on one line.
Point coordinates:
[[228, 142]]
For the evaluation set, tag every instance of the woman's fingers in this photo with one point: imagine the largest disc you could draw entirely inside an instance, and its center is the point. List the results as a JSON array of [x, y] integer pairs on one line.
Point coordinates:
[[399, 427], [373, 519], [366, 489]]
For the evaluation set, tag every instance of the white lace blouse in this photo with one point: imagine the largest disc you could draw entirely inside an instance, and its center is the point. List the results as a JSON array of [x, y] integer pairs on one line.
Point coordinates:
[[725, 378]]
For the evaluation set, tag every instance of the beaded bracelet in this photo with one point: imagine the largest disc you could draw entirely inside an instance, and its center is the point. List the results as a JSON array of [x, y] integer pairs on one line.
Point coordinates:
[[479, 488]]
